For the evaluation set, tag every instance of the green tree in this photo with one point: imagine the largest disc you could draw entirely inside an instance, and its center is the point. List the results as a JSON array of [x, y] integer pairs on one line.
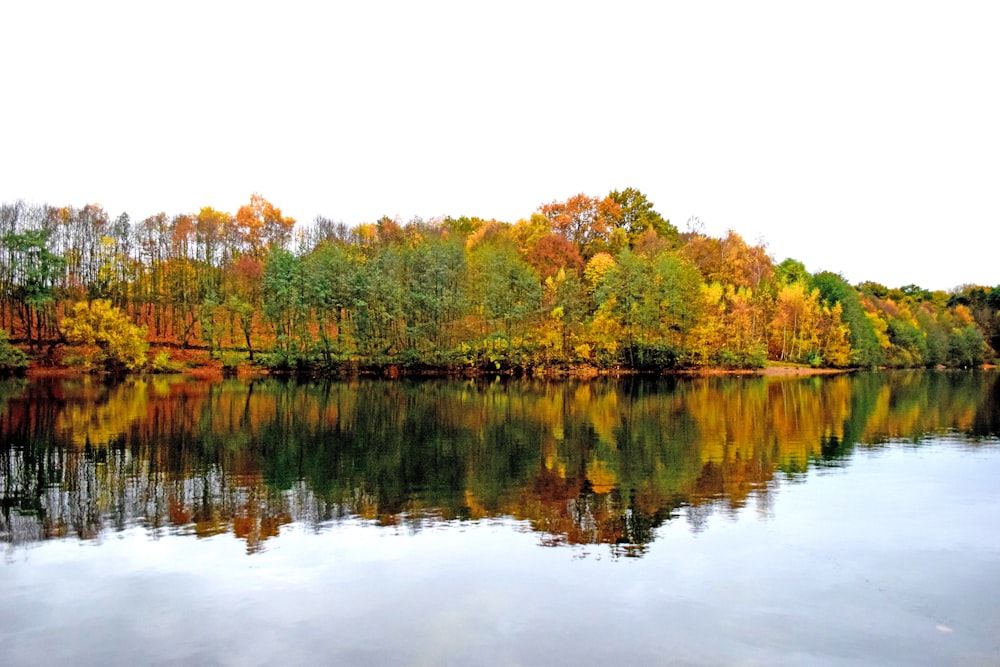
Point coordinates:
[[654, 302], [636, 215], [284, 298], [33, 273], [434, 294], [936, 336], [12, 360], [329, 273], [241, 312], [378, 297], [791, 271], [968, 346], [506, 289], [909, 341], [865, 348]]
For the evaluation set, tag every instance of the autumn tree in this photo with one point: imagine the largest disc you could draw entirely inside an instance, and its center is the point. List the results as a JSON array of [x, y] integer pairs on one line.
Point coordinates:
[[120, 345], [182, 277], [729, 260], [597, 269], [794, 335], [728, 331], [552, 253], [805, 330], [654, 304], [526, 233], [566, 300], [260, 225], [635, 215], [865, 348], [585, 221], [209, 235]]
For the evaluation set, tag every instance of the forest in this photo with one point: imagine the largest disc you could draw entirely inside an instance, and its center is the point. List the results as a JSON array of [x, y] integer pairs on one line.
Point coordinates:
[[591, 282]]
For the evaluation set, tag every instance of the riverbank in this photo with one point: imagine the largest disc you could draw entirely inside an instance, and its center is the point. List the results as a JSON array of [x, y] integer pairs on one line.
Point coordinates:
[[199, 363]]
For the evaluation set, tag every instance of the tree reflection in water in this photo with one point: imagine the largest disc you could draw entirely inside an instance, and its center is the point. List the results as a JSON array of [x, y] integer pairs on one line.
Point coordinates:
[[581, 462]]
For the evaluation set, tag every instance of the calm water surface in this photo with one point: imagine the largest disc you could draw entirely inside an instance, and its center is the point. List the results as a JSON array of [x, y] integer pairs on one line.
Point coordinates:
[[842, 520]]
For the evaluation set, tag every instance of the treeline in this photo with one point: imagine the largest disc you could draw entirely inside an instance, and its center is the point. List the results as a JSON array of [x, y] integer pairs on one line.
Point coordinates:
[[601, 281]]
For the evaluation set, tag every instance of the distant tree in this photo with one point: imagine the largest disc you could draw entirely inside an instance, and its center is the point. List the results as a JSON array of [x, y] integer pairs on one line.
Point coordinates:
[[635, 215], [553, 252], [968, 346], [284, 298], [329, 276], [586, 221], [597, 269], [507, 288], [260, 225], [729, 260], [791, 271], [865, 348]]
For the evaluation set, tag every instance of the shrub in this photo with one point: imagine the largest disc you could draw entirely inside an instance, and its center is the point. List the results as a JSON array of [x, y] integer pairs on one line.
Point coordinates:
[[162, 363], [108, 335], [12, 360]]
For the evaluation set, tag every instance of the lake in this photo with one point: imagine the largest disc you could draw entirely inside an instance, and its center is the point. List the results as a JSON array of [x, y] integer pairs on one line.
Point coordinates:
[[835, 520]]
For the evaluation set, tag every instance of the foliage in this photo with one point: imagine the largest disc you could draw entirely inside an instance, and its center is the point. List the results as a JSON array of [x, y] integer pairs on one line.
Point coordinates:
[[602, 280], [120, 345], [583, 220], [162, 363], [12, 359], [968, 346], [232, 360], [636, 216], [865, 348]]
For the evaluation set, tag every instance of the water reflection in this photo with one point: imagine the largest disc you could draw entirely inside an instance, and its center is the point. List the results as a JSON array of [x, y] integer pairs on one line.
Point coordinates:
[[587, 462]]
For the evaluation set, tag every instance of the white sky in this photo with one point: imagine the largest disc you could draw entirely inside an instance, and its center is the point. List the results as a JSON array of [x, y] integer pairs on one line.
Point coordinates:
[[857, 137]]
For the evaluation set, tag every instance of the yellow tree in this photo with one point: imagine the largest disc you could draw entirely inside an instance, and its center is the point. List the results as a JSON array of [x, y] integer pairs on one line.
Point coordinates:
[[596, 270], [729, 260], [834, 336], [120, 345], [795, 328], [726, 331], [707, 336]]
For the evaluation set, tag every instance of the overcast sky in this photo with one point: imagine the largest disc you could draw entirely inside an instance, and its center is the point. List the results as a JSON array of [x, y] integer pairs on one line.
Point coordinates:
[[857, 137]]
